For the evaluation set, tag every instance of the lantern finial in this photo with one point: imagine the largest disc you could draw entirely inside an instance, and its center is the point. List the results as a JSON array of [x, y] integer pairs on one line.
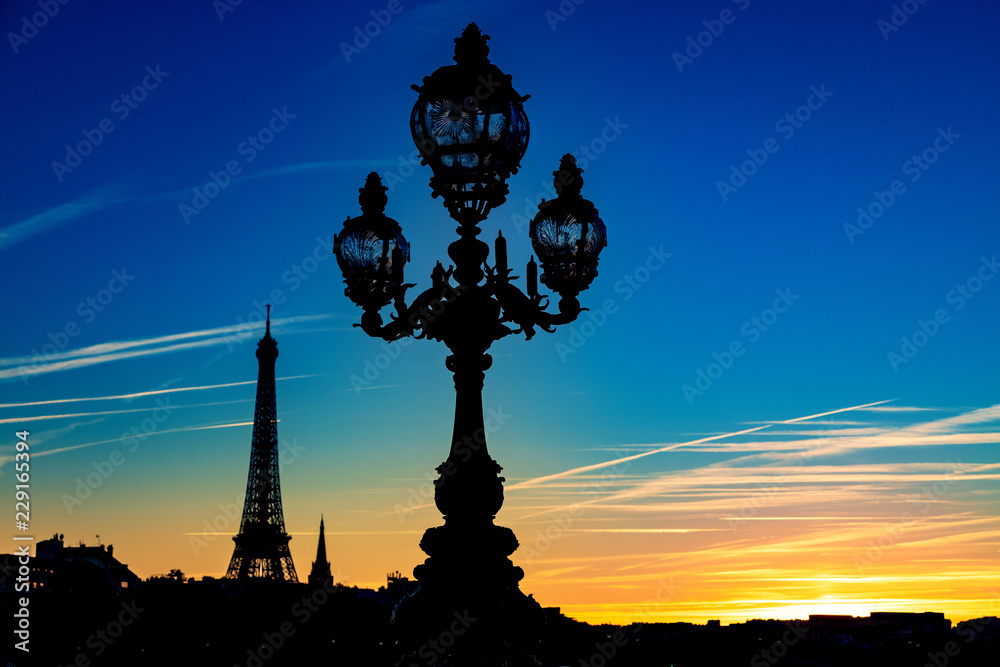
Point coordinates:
[[372, 196], [568, 178], [471, 48]]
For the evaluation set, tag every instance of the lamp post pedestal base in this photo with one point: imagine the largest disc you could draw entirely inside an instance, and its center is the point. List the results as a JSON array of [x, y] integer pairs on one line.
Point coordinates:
[[468, 610]]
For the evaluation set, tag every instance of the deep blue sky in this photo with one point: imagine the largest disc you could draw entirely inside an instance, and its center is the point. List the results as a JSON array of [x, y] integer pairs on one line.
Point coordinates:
[[656, 185]]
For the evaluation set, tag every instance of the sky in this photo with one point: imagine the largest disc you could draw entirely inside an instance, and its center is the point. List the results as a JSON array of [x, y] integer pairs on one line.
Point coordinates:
[[782, 400]]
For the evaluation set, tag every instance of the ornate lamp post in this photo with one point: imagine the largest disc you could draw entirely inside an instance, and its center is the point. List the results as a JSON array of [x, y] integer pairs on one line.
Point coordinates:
[[470, 127]]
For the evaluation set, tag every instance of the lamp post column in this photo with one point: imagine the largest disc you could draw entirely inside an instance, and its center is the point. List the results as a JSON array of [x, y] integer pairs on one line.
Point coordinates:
[[469, 125]]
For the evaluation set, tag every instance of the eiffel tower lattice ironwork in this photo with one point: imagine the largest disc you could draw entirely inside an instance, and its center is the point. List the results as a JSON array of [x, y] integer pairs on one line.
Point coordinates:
[[261, 552]]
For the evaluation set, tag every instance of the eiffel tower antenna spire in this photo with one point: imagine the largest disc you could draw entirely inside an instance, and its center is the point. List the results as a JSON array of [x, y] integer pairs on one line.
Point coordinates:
[[261, 552]]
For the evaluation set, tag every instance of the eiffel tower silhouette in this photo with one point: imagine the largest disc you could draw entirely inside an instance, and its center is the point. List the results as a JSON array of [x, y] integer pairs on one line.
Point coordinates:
[[261, 552]]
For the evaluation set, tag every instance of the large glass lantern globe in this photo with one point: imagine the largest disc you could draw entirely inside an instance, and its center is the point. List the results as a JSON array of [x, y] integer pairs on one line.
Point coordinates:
[[469, 125], [371, 250], [567, 234]]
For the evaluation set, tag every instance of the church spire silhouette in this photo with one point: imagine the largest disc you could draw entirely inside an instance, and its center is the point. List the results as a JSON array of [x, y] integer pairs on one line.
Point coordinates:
[[261, 552], [321, 566]]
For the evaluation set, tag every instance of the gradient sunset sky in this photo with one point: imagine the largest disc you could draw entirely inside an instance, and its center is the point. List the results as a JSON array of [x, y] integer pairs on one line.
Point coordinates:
[[784, 400]]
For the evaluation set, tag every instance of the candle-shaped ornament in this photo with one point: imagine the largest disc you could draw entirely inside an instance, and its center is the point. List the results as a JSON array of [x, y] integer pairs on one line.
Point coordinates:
[[500, 250], [532, 277]]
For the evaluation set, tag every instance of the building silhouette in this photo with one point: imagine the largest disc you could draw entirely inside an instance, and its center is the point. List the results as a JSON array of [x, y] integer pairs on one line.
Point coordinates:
[[320, 572], [261, 552], [67, 569]]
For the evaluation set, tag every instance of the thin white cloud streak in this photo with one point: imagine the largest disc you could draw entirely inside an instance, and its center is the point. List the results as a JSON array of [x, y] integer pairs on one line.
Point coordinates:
[[154, 392], [45, 436], [206, 428], [88, 203], [18, 420], [838, 546], [833, 412], [328, 165], [83, 362], [333, 532], [787, 478], [120, 350], [667, 448], [109, 196], [283, 170], [651, 531], [627, 459], [183, 429], [934, 433], [818, 422], [116, 346], [828, 446]]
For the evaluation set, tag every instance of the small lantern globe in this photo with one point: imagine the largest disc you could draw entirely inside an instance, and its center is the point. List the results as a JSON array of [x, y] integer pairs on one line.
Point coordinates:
[[567, 234], [371, 250], [469, 125]]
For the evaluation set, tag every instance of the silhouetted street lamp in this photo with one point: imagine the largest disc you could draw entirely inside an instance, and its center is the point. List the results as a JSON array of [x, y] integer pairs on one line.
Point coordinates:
[[470, 127]]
